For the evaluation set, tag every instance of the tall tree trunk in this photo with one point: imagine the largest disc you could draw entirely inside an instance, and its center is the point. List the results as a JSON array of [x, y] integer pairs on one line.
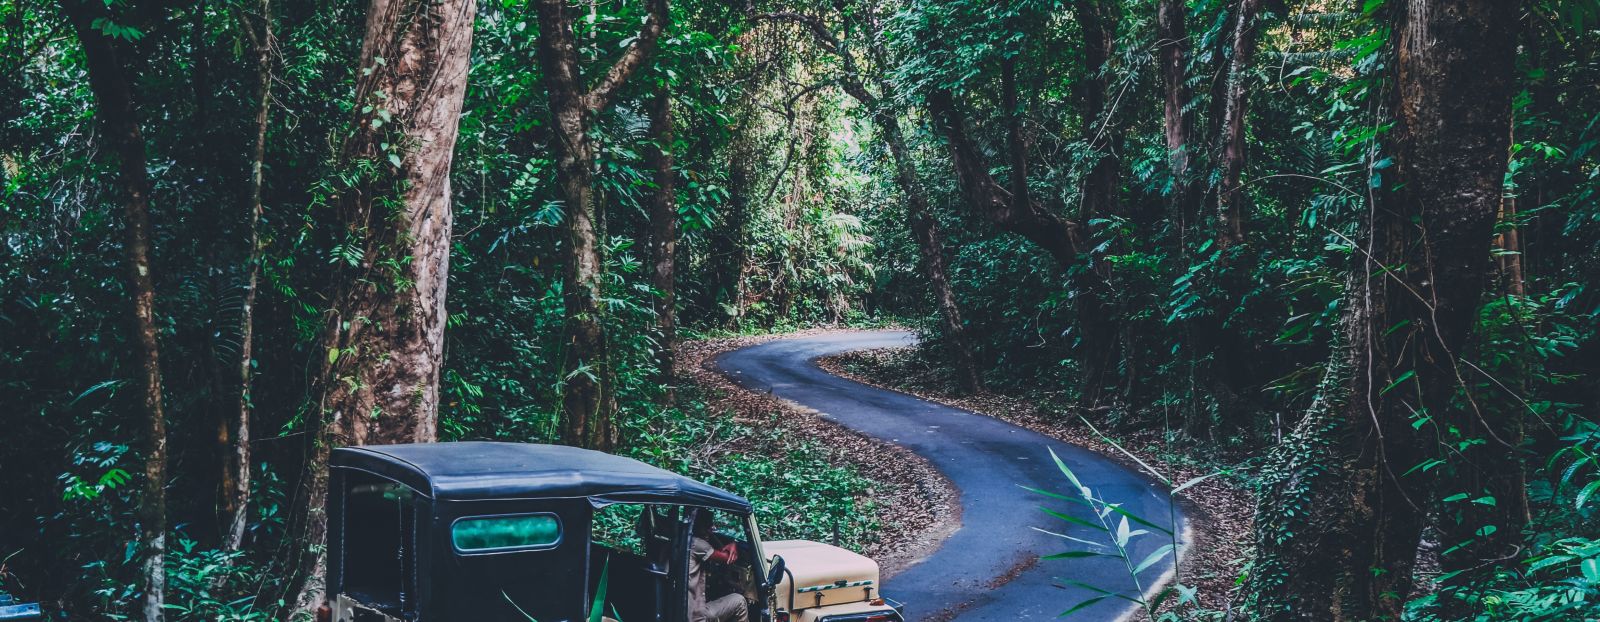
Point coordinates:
[[730, 254], [1457, 65], [236, 500], [1509, 242], [1098, 334], [1338, 526], [1229, 369], [1103, 185], [1173, 38], [588, 403], [1231, 131], [664, 235], [1016, 140], [923, 224], [736, 222], [924, 227], [930, 241], [109, 79], [383, 344]]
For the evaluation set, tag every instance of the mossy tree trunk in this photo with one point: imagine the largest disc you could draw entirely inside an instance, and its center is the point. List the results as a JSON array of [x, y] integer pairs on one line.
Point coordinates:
[[1339, 522], [383, 341]]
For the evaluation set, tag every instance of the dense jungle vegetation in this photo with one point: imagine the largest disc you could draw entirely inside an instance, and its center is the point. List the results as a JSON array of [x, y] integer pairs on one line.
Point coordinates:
[[1350, 246]]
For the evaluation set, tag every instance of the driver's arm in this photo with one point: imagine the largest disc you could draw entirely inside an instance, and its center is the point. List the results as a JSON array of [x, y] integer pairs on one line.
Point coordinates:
[[728, 554]]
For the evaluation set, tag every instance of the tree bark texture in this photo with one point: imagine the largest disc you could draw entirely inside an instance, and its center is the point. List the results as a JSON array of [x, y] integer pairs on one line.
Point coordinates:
[[236, 496], [930, 241], [383, 344], [113, 93], [1172, 37], [1457, 78], [664, 235], [1338, 527], [1098, 343], [728, 247], [1231, 197], [588, 402]]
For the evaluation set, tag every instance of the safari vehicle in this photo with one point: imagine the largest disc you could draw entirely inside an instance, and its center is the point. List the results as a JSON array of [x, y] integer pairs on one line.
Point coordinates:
[[491, 532]]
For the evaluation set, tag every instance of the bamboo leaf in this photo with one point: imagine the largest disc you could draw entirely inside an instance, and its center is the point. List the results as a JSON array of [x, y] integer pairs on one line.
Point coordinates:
[[1078, 607], [1154, 557]]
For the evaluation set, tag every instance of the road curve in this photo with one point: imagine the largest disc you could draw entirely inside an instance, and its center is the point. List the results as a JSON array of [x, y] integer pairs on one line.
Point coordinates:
[[989, 569]]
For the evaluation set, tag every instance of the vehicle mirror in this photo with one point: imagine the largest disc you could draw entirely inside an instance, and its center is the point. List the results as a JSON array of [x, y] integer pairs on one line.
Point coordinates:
[[776, 573]]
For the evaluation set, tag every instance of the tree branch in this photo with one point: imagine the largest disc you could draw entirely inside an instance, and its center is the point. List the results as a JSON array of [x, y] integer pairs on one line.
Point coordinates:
[[598, 98], [818, 29], [1062, 238]]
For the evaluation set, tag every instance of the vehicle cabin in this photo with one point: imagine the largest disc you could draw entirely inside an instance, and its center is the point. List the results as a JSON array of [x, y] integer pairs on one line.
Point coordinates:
[[517, 532]]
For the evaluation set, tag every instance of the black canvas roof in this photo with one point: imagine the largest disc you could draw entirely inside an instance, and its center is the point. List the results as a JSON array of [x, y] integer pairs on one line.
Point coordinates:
[[466, 471]]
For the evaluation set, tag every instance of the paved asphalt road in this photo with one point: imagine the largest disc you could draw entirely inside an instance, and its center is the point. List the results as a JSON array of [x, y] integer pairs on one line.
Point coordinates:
[[989, 570]]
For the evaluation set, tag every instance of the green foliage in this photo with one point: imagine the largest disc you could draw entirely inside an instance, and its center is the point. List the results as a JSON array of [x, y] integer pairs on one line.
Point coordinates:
[[1114, 530], [790, 216], [209, 584]]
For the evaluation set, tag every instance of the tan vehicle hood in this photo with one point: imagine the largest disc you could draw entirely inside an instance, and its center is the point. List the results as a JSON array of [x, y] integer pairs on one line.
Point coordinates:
[[822, 575]]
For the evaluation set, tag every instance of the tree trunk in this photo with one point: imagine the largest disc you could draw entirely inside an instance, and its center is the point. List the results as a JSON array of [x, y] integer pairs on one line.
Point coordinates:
[[236, 498], [1231, 131], [1103, 184], [664, 236], [1509, 242], [728, 248], [1338, 527], [588, 403], [110, 82], [1016, 141], [1173, 38], [1229, 371], [1457, 66], [924, 226], [930, 241], [1097, 345], [383, 344]]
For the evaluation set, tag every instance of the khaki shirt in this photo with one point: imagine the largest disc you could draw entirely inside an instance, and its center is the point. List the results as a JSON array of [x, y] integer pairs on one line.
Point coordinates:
[[699, 552]]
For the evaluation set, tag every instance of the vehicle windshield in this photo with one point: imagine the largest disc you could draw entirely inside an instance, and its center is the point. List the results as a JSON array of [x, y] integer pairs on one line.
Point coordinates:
[[380, 520]]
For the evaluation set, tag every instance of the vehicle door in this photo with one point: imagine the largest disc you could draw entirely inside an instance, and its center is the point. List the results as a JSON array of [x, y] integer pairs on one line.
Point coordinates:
[[509, 561]]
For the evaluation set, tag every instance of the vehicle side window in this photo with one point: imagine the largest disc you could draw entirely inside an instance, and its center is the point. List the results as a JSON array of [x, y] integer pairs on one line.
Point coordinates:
[[621, 527], [499, 534]]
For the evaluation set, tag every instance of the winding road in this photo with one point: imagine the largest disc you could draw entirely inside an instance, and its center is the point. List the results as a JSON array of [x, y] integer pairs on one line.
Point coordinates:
[[990, 568]]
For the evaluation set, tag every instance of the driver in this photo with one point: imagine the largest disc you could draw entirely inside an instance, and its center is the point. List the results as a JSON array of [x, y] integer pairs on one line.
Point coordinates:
[[729, 608]]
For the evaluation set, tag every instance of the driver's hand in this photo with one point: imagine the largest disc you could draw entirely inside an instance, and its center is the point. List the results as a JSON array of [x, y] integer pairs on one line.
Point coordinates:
[[730, 551]]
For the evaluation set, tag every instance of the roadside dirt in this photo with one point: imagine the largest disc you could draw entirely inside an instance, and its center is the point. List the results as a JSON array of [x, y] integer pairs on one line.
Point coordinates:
[[1220, 512], [916, 507]]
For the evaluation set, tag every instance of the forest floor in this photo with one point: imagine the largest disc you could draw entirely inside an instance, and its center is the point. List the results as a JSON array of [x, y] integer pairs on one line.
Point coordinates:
[[1221, 511], [914, 506]]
